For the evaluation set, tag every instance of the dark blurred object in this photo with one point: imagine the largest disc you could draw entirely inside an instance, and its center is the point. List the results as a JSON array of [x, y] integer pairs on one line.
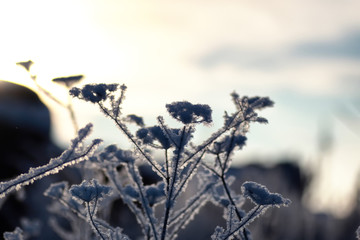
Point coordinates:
[[25, 131], [25, 142]]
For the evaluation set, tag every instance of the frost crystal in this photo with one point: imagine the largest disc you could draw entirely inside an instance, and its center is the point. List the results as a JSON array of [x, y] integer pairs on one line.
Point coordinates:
[[260, 195]]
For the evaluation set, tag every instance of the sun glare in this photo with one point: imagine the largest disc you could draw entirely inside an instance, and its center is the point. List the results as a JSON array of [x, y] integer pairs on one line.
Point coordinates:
[[60, 38]]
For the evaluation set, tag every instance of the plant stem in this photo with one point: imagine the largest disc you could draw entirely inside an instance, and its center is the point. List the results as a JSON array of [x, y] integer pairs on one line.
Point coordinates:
[[44, 170], [167, 170], [144, 201], [47, 93], [230, 197], [187, 177], [92, 221], [72, 115], [133, 207], [169, 200], [244, 223], [131, 138], [213, 138]]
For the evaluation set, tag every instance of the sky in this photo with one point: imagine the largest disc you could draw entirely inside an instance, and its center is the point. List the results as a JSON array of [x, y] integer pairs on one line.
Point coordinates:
[[303, 54]]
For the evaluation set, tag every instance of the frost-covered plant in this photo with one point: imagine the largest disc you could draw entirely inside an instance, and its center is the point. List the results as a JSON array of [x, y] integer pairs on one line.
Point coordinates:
[[113, 173]]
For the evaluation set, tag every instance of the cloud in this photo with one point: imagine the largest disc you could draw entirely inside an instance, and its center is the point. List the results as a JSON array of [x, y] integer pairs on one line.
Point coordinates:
[[238, 57], [346, 47]]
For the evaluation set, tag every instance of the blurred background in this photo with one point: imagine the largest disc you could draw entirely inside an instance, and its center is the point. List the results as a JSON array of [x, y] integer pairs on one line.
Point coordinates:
[[303, 54]]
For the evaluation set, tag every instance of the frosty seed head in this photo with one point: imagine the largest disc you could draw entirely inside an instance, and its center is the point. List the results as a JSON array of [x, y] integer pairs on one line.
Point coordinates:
[[155, 133], [260, 195], [88, 191], [56, 190], [135, 119], [94, 92], [125, 156], [187, 112], [27, 65], [68, 81]]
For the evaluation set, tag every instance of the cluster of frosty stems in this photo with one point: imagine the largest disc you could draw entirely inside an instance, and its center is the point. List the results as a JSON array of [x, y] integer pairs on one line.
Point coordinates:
[[210, 161], [186, 158]]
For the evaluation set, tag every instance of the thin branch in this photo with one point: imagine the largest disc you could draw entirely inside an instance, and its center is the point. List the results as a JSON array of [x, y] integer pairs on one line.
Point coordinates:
[[72, 114], [167, 169], [230, 197], [219, 162], [162, 125], [213, 138], [144, 201], [259, 208], [169, 199], [229, 150], [47, 93], [137, 212], [131, 138], [52, 167], [188, 176], [211, 169], [92, 221]]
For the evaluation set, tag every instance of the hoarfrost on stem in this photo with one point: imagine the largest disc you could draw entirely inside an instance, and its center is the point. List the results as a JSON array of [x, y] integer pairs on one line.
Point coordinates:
[[75, 154]]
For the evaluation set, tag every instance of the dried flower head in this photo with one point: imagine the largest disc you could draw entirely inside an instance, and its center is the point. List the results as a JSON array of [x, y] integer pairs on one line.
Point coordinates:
[[26, 64], [56, 190], [187, 112], [135, 119], [260, 195], [88, 191], [94, 92], [68, 81]]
